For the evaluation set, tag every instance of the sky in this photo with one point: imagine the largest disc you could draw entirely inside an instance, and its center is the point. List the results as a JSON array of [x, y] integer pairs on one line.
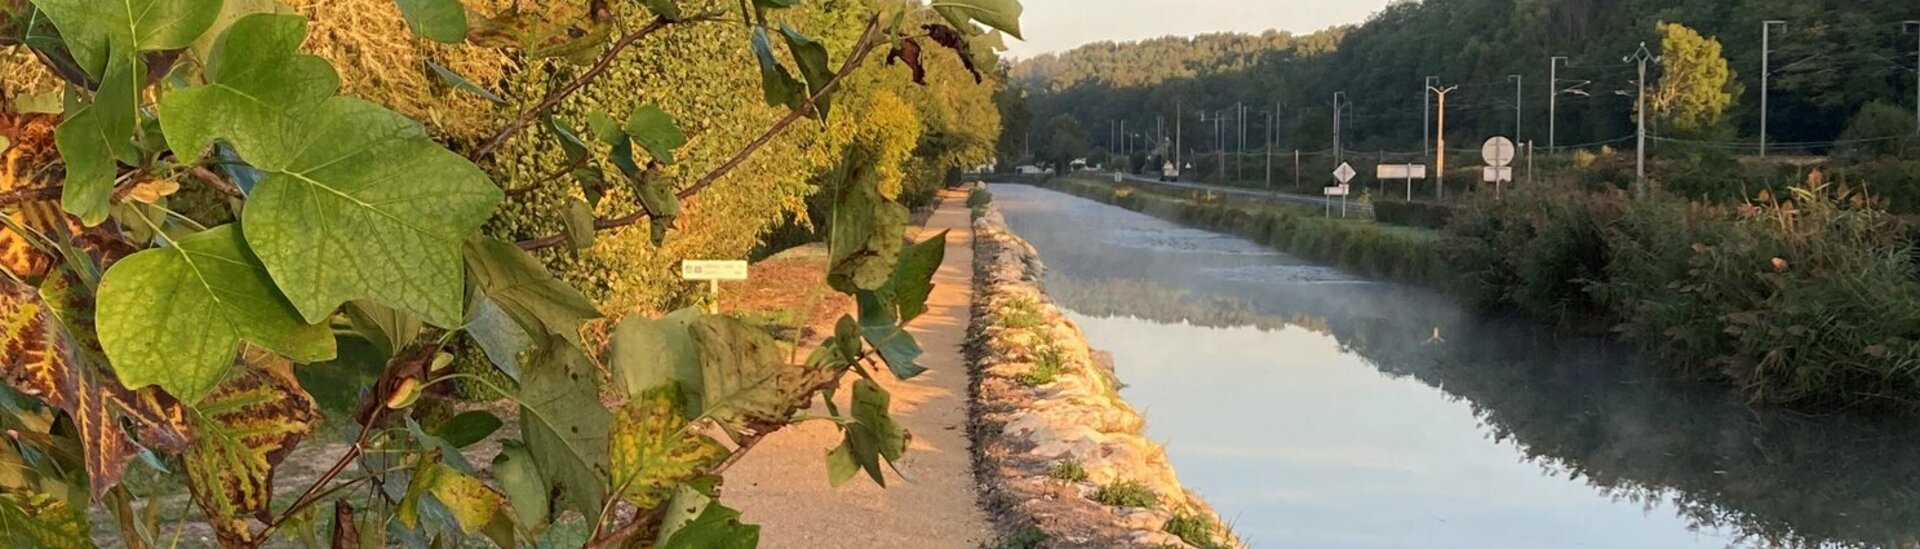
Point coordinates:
[[1060, 25]]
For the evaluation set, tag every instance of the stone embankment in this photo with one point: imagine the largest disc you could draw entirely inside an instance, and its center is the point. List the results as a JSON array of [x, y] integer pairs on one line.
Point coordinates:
[[1062, 459]]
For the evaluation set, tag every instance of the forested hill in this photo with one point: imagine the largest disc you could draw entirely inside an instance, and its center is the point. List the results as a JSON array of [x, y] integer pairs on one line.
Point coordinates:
[[1832, 58]]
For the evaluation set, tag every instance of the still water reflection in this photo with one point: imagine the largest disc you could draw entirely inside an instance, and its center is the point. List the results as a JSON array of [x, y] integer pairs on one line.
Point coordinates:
[[1319, 410]]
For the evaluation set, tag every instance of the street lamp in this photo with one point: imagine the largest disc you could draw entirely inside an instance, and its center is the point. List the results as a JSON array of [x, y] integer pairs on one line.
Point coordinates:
[[1766, 53]]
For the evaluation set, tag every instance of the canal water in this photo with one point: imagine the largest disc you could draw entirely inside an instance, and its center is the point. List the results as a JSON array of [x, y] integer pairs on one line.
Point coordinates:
[[1316, 409]]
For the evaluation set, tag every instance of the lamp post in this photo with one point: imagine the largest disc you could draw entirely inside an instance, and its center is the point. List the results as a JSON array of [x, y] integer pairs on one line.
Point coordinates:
[[1440, 157], [1766, 72], [1640, 163], [1553, 99], [1516, 105]]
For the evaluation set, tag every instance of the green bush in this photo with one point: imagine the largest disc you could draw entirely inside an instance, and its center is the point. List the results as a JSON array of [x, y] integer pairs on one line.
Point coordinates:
[[1534, 251], [979, 198], [1068, 469], [1197, 530], [1879, 129], [1126, 493], [1427, 215]]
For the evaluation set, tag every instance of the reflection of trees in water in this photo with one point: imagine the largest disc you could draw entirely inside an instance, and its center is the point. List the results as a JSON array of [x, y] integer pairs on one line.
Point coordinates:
[[1589, 411]]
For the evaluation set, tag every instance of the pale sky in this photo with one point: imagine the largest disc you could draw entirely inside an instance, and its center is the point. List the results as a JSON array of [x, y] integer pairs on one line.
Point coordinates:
[[1059, 25]]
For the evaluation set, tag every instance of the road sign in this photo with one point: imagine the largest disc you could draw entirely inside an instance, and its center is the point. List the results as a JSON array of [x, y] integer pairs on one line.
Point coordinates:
[[695, 269], [1503, 174], [1403, 171], [1344, 173], [1336, 190], [1498, 152]]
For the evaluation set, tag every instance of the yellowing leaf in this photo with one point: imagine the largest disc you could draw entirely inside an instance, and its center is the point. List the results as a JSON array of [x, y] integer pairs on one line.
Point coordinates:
[[652, 449], [243, 429], [41, 357], [150, 192]]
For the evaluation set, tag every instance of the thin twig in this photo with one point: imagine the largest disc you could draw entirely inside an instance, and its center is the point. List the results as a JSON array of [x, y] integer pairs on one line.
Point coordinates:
[[861, 50], [557, 174], [217, 183], [555, 97]]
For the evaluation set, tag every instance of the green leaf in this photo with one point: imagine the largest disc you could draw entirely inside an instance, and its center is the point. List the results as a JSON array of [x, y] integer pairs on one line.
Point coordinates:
[[880, 324], [867, 228], [443, 21], [776, 4], [870, 407], [520, 478], [657, 195], [648, 353], [717, 527], [742, 386], [521, 285], [93, 28], [841, 466], [570, 141], [779, 86], [468, 428], [656, 131], [606, 128], [259, 95], [579, 223], [812, 57], [653, 450], [464, 84], [912, 280], [500, 337], [232, 11], [689, 501], [1003, 15], [95, 136], [665, 9], [565, 428], [175, 316], [386, 328]]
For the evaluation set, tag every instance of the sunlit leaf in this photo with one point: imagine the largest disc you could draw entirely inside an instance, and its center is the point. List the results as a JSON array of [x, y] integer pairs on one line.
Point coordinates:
[[812, 57], [717, 527], [93, 28], [649, 353], [94, 138], [579, 224], [42, 358], [743, 386], [442, 21], [521, 285], [175, 316], [653, 450], [243, 429], [867, 228], [39, 521], [666, 9], [656, 131], [476, 507], [1002, 15], [259, 94]]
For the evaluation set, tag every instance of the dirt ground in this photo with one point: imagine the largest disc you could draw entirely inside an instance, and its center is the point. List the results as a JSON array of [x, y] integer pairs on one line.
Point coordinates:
[[782, 485]]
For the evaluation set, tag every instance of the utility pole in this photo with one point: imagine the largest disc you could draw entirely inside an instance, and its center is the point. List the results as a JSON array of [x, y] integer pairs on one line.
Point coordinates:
[[1440, 158], [1640, 154], [1553, 98], [1178, 117], [1426, 120], [1766, 52], [1516, 105], [1338, 148], [1123, 148], [1273, 133], [1914, 27]]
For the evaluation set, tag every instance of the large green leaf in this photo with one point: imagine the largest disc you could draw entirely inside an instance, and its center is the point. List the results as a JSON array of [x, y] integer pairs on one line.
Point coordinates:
[[717, 527], [653, 450], [94, 28], [742, 384], [648, 353], [1003, 15], [242, 430], [438, 20], [368, 207], [871, 405], [880, 324], [468, 428], [912, 280], [385, 327], [232, 11], [521, 285], [95, 137], [778, 85], [519, 477], [500, 337], [656, 131], [259, 94], [175, 316], [867, 228], [565, 427], [812, 57]]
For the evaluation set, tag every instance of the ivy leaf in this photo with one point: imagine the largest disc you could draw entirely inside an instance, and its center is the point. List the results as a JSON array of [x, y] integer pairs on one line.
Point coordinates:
[[656, 131], [94, 28], [175, 316], [369, 208], [565, 427], [443, 21], [651, 352], [468, 428], [867, 228], [1002, 15], [743, 386], [530, 295], [579, 223], [243, 429], [717, 527], [812, 57], [653, 450], [259, 94], [92, 138], [526, 489], [39, 521], [779, 86], [462, 83]]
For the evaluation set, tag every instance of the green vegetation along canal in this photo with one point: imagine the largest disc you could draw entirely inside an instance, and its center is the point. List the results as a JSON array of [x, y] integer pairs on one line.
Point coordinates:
[[1317, 409]]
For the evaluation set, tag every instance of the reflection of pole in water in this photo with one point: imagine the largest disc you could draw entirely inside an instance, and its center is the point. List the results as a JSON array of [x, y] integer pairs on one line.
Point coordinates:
[[1436, 337]]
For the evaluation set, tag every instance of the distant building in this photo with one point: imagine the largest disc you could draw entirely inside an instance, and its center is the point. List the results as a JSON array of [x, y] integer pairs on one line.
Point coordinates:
[[1029, 169]]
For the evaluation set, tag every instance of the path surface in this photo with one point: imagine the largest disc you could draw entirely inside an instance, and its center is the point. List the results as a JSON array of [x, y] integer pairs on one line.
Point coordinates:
[[782, 484]]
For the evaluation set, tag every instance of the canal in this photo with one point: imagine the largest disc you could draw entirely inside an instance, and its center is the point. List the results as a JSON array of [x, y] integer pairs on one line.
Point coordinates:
[[1316, 409]]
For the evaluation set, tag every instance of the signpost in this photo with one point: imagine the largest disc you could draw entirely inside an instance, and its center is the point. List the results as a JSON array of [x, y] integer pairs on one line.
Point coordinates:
[[1342, 174], [1499, 153], [1408, 172], [713, 271]]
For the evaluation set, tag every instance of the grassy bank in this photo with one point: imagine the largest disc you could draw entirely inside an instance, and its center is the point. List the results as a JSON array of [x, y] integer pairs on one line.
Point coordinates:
[[1400, 254]]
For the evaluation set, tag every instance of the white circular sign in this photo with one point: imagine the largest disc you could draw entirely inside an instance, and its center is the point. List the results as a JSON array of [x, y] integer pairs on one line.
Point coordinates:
[[1498, 152]]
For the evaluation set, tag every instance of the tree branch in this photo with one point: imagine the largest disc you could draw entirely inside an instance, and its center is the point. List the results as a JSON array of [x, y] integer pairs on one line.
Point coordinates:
[[861, 50], [217, 183], [556, 96]]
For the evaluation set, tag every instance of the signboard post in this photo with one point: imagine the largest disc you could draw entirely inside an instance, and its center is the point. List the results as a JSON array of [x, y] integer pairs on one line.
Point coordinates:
[[1499, 154], [1342, 174], [713, 271], [1408, 172]]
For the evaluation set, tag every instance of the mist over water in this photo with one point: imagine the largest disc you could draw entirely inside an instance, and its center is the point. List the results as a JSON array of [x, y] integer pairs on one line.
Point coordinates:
[[1317, 409]]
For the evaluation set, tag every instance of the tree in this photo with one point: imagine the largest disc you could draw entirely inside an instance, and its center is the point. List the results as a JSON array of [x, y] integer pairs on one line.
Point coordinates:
[[1879, 129], [1696, 87], [1063, 142]]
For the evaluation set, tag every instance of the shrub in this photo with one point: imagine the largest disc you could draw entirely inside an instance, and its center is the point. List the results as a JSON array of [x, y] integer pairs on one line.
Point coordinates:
[[1194, 529], [1021, 314], [1126, 493], [979, 198], [1068, 469], [1047, 367], [1029, 537], [1428, 215], [1878, 129]]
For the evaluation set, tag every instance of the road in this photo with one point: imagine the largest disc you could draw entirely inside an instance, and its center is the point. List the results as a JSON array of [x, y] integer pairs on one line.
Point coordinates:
[[1353, 207]]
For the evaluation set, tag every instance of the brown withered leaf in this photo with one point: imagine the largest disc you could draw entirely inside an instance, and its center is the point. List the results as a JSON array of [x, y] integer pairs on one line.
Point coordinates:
[[242, 431], [22, 167], [41, 358], [908, 51], [954, 40]]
